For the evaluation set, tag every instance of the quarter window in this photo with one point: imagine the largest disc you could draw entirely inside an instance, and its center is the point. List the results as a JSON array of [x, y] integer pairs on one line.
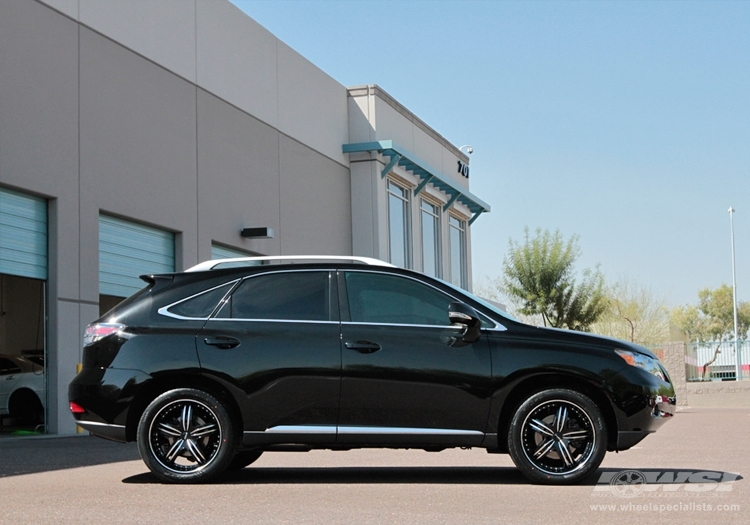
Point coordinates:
[[202, 305], [430, 239], [458, 251], [298, 296], [398, 226], [376, 298]]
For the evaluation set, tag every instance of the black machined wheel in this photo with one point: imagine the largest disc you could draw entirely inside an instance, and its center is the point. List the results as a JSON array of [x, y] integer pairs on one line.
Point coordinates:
[[186, 435], [557, 436]]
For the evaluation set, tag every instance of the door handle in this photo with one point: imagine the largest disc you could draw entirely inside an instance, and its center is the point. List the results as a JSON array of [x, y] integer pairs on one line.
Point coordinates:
[[222, 341], [363, 347]]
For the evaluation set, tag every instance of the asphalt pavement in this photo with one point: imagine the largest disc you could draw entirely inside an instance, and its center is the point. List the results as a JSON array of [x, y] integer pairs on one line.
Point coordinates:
[[691, 471]]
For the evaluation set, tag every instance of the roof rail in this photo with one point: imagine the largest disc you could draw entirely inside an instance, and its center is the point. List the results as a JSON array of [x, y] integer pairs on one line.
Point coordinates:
[[241, 261]]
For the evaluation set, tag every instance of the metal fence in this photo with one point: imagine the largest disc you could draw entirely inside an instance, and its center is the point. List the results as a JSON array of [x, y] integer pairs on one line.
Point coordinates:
[[722, 368]]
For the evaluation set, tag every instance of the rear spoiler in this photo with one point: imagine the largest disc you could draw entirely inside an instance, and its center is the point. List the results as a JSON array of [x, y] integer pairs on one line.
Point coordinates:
[[157, 281]]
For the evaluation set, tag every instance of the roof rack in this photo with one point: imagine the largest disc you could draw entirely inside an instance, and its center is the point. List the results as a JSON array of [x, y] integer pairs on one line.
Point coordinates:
[[243, 261]]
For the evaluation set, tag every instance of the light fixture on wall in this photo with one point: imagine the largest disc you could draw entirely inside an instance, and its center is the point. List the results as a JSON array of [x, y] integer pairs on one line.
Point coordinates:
[[469, 149], [257, 233]]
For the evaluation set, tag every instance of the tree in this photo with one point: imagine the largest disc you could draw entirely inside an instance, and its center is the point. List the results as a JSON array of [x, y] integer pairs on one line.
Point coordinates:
[[635, 314], [539, 279], [713, 318]]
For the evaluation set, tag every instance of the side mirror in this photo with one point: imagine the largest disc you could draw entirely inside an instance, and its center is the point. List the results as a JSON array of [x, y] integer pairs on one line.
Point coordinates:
[[461, 314]]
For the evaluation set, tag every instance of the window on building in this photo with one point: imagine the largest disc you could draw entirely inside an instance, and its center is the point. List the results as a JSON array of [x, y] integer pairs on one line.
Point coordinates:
[[458, 251], [430, 239], [399, 241]]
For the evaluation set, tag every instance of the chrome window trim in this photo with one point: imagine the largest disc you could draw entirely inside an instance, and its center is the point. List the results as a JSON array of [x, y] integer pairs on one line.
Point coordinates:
[[497, 326], [440, 326], [232, 319], [164, 310]]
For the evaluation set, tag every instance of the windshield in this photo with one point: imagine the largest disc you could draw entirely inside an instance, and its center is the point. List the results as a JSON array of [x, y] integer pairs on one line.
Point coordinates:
[[481, 301]]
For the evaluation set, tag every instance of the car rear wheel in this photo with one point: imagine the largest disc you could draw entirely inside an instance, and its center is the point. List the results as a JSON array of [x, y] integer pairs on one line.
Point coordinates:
[[186, 436], [557, 436]]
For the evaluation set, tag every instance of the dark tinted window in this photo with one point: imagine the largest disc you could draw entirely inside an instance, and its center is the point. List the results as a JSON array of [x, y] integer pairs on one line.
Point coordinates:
[[201, 305], [301, 296], [376, 298], [8, 367]]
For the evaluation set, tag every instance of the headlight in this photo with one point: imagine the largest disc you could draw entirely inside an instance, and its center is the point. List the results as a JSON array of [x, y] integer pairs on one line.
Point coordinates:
[[642, 361]]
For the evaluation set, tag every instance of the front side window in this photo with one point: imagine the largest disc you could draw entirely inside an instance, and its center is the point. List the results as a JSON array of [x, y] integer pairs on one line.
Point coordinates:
[[458, 251], [398, 226], [378, 298], [430, 239], [285, 296]]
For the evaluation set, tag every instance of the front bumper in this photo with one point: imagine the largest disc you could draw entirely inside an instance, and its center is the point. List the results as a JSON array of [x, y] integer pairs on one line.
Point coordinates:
[[642, 402]]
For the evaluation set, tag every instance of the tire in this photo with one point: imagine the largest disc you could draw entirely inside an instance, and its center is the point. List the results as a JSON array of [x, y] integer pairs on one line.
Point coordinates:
[[25, 406], [557, 437], [244, 458], [186, 436]]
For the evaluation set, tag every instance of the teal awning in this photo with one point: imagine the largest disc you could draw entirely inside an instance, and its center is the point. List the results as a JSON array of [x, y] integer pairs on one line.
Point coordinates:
[[399, 156]]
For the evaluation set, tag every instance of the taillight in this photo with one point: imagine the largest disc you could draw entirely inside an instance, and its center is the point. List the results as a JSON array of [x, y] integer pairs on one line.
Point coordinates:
[[97, 331], [76, 408]]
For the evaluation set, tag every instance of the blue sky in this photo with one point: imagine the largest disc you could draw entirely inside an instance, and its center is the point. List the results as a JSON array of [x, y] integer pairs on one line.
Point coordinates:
[[626, 123]]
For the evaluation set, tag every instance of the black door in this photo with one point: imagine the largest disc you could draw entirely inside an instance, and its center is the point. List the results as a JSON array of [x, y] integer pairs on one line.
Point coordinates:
[[277, 341], [402, 382]]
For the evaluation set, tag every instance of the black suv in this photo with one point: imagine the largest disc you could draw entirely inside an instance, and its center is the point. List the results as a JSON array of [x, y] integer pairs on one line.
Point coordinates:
[[208, 368]]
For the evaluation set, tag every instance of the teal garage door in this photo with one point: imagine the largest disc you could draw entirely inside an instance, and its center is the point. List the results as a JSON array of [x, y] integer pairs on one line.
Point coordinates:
[[23, 235], [127, 250]]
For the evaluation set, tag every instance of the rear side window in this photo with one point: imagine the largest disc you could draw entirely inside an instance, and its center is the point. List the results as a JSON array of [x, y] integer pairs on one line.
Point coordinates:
[[288, 296], [377, 298], [201, 305]]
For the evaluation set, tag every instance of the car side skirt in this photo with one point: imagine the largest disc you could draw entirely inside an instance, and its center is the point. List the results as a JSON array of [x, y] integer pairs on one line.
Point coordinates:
[[363, 436]]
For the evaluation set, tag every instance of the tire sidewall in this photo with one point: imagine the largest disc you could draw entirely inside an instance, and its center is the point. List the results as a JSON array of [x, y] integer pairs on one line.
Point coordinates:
[[515, 440], [227, 446]]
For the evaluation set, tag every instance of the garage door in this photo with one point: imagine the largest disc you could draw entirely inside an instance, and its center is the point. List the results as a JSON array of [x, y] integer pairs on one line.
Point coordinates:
[[127, 250], [23, 235]]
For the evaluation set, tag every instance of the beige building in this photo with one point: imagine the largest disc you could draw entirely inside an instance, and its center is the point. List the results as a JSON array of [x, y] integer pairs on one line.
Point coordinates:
[[142, 137]]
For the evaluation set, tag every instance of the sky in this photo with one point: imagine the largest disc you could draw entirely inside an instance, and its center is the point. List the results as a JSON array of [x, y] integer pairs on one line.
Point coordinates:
[[624, 123]]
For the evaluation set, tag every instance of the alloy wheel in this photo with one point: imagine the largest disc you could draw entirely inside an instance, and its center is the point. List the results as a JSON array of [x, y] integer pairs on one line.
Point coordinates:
[[185, 436], [558, 437]]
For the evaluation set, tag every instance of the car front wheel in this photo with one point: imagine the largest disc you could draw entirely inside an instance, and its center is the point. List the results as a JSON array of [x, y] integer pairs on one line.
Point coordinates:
[[186, 436], [557, 436]]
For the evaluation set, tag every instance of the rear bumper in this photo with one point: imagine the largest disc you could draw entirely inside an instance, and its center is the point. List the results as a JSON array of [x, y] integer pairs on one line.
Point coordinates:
[[106, 395], [104, 430]]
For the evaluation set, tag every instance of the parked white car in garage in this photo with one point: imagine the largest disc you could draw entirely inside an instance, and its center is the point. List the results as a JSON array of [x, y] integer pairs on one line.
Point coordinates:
[[21, 387]]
